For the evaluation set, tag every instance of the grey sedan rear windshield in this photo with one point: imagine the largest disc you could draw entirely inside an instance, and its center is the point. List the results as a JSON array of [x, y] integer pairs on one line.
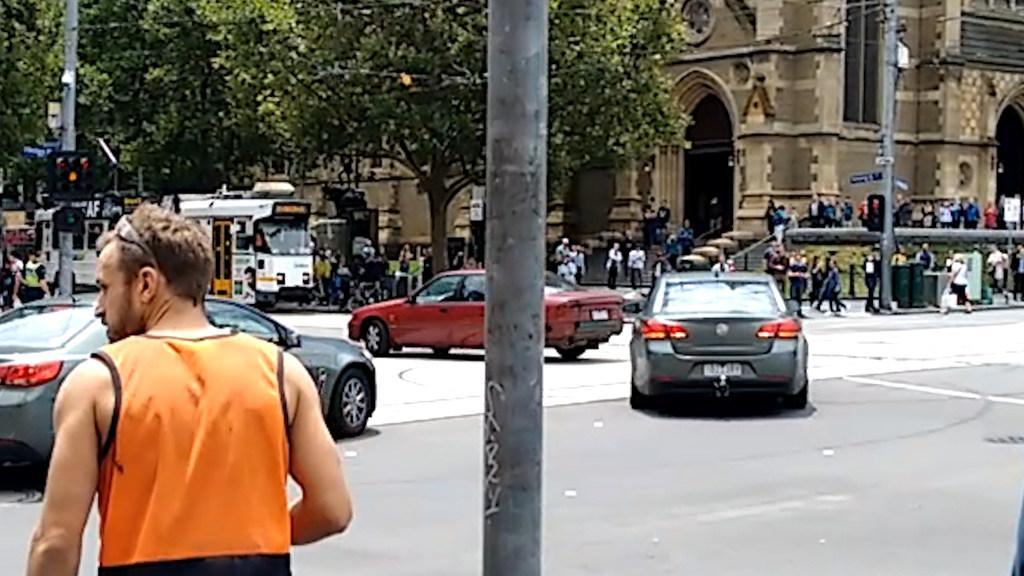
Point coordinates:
[[706, 298], [43, 328]]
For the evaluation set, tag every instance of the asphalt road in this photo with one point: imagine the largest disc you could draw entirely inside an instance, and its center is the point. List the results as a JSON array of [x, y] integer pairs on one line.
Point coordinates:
[[890, 472]]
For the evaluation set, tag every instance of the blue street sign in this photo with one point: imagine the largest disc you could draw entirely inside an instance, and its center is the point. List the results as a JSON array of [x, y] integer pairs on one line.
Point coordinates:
[[34, 152], [865, 178]]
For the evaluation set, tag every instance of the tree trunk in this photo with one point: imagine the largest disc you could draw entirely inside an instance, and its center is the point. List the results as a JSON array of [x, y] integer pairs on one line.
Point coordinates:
[[436, 196]]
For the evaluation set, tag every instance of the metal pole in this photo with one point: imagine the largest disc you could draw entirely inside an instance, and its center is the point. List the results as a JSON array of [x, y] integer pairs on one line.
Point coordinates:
[[887, 153], [516, 206], [69, 81]]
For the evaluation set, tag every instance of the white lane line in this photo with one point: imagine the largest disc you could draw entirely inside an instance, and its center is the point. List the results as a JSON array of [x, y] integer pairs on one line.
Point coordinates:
[[915, 388], [948, 392]]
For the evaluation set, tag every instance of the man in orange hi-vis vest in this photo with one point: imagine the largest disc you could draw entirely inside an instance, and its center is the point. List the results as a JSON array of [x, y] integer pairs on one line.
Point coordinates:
[[187, 433]]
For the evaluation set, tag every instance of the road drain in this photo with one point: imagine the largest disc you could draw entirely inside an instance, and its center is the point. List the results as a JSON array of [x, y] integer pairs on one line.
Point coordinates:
[[1005, 440]]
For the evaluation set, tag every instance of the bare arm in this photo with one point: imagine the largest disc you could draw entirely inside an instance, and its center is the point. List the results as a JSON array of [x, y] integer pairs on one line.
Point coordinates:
[[74, 471], [325, 507]]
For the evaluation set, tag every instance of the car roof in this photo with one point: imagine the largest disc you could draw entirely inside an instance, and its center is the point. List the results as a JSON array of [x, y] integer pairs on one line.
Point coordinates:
[[89, 298], [703, 276]]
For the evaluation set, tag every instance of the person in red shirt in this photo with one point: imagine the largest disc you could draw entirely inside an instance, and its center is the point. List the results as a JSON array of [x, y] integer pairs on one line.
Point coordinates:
[[991, 216]]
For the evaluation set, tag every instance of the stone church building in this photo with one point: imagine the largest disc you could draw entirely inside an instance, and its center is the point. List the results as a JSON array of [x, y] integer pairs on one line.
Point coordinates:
[[785, 102]]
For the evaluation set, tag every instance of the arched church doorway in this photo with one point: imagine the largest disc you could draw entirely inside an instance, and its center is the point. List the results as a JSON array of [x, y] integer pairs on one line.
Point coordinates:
[[1010, 155], [708, 168]]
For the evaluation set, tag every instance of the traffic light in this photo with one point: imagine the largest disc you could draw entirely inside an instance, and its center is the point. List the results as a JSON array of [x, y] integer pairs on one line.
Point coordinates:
[[876, 212], [69, 219], [71, 176]]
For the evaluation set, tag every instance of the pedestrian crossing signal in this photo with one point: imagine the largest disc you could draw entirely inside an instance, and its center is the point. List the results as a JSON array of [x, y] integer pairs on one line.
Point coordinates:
[[70, 176], [876, 213]]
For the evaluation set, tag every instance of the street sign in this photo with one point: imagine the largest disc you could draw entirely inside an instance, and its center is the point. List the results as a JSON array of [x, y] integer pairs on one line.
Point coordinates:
[[865, 178], [476, 210], [1011, 210], [34, 152], [884, 160], [902, 184]]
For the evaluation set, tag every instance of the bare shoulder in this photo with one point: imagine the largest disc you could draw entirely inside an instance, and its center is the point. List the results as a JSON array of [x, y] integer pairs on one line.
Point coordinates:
[[87, 386], [300, 390], [88, 378]]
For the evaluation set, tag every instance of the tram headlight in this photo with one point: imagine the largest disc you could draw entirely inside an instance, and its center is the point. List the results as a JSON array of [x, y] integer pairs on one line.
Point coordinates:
[[305, 278], [280, 279]]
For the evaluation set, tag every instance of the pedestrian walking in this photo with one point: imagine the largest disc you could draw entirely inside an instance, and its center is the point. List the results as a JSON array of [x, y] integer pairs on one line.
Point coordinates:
[[958, 286], [579, 260], [799, 274], [833, 289], [637, 263], [188, 433], [998, 262], [612, 265], [872, 274], [1017, 265]]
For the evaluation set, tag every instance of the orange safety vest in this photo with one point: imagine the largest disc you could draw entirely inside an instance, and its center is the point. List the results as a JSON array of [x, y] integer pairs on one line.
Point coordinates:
[[194, 472]]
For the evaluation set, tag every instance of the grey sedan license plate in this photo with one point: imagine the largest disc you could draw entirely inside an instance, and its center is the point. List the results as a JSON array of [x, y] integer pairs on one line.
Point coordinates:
[[716, 370]]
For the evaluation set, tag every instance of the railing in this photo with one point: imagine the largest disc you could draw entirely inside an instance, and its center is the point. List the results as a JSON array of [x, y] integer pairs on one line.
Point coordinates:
[[744, 255]]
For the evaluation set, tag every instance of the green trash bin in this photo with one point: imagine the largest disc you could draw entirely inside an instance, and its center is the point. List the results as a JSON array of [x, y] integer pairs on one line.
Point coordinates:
[[901, 285], [917, 287]]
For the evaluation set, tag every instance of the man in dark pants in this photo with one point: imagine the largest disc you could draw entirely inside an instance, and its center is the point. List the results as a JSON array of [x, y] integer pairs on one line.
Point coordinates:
[[872, 271], [1017, 265]]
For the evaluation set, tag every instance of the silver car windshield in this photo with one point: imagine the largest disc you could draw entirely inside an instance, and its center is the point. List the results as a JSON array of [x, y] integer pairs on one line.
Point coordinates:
[[44, 328], [707, 298]]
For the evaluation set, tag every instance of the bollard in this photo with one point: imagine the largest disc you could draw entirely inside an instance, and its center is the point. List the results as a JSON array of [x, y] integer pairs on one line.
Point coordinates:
[[853, 281]]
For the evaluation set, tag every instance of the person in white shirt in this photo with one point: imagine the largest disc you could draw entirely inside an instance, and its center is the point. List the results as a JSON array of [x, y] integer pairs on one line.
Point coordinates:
[[567, 269], [998, 262], [637, 264], [958, 285], [721, 267], [613, 264]]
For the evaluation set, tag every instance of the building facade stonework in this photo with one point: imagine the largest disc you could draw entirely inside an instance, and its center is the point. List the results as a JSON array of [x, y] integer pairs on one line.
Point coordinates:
[[784, 98]]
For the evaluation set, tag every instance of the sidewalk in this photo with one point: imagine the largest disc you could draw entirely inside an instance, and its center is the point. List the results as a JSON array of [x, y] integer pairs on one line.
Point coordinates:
[[856, 308]]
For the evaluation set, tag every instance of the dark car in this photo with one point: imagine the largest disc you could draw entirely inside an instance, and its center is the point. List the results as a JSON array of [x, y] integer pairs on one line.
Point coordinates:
[[702, 333], [448, 312], [42, 342]]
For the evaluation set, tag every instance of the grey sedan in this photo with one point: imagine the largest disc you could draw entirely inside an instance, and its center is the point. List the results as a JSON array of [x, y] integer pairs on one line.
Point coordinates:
[[42, 342], [717, 335]]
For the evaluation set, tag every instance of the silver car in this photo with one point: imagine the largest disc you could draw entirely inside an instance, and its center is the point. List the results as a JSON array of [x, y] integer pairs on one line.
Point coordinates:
[[717, 335]]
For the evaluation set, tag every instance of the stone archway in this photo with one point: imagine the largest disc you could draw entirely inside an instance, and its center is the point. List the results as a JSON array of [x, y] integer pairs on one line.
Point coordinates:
[[1010, 150], [707, 189]]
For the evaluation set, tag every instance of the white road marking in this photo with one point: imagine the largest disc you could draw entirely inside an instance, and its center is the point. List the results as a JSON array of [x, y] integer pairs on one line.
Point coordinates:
[[915, 388], [935, 391]]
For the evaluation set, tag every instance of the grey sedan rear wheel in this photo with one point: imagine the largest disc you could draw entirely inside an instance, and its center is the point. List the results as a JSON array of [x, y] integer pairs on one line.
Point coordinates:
[[798, 401], [350, 404], [638, 400]]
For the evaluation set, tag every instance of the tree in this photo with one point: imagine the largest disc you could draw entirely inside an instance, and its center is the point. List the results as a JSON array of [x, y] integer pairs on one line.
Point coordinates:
[[406, 80], [186, 89], [29, 74]]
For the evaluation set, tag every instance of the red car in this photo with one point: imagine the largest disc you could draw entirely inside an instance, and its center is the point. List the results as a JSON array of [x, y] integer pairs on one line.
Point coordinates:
[[448, 312]]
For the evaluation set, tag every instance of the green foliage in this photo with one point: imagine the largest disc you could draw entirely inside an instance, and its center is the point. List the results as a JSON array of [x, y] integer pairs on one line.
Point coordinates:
[[201, 92], [186, 89], [29, 71], [407, 80]]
